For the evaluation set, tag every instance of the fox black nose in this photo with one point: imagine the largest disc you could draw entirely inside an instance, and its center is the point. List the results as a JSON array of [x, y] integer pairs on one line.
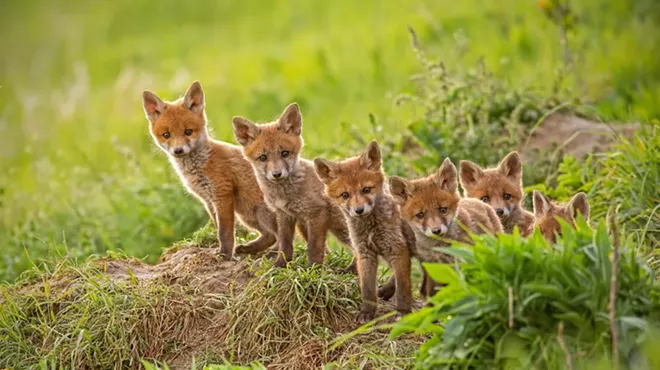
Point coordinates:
[[359, 211], [277, 175], [178, 151], [500, 211], [436, 231]]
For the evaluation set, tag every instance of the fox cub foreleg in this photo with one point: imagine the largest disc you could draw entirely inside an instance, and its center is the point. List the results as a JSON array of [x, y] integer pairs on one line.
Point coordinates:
[[286, 229], [317, 234], [367, 266]]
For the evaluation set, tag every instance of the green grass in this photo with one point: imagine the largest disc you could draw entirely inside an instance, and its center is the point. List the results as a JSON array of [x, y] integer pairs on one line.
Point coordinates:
[[76, 161], [513, 303]]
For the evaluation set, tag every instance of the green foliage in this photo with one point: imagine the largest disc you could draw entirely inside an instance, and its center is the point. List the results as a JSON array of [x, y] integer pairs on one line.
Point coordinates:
[[559, 293], [626, 178]]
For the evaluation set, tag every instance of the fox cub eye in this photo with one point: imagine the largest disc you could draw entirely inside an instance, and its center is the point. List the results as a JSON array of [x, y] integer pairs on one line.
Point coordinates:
[[443, 209], [507, 196], [344, 195], [263, 158], [485, 198], [166, 135], [188, 132], [366, 190], [285, 154], [420, 215]]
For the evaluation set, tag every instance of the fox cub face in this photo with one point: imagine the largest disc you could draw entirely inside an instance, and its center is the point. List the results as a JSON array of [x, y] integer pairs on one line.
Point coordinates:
[[272, 148], [355, 183], [547, 212], [429, 204], [500, 187], [178, 126]]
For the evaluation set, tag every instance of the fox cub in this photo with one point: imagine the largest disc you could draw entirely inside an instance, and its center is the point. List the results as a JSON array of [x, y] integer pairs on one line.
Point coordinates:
[[290, 184], [439, 215], [546, 213], [215, 172], [501, 187], [358, 186]]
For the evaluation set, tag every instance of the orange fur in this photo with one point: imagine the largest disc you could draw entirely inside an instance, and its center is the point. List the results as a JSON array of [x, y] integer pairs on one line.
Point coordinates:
[[547, 213], [290, 185], [214, 171], [357, 186], [501, 187], [438, 215]]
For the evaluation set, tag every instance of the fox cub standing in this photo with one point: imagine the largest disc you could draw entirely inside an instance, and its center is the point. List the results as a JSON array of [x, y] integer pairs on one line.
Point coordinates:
[[438, 215], [213, 171], [547, 212], [501, 187], [358, 186], [290, 184]]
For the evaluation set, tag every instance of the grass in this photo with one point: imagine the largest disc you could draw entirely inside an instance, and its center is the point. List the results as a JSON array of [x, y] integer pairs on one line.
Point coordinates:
[[96, 315], [517, 303], [76, 162]]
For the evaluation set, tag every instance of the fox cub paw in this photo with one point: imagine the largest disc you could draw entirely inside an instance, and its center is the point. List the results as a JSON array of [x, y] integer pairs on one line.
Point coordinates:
[[364, 317]]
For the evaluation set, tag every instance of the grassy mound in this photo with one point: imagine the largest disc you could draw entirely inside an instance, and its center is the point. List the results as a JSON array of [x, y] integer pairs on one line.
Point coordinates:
[[114, 312]]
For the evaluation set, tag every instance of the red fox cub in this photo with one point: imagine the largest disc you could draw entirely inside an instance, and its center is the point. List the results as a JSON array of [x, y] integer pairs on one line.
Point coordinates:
[[438, 215], [290, 184], [358, 186], [500, 187], [546, 213], [215, 172]]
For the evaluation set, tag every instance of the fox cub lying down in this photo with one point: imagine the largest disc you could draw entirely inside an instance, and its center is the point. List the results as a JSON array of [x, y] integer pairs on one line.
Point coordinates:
[[213, 171], [438, 216]]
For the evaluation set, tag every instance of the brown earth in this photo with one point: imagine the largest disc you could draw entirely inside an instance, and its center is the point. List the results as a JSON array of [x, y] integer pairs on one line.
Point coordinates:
[[574, 135]]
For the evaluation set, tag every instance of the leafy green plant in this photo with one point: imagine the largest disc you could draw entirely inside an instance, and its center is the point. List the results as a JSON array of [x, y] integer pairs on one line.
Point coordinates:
[[521, 303]]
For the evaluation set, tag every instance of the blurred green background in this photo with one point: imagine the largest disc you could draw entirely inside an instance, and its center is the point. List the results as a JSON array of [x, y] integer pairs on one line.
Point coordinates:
[[80, 175]]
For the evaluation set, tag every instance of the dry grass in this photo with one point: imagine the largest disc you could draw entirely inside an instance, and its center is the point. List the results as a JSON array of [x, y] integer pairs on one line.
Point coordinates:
[[114, 312]]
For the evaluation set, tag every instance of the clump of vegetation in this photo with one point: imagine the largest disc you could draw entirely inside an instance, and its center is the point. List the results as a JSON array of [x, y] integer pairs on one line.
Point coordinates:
[[625, 178], [521, 303]]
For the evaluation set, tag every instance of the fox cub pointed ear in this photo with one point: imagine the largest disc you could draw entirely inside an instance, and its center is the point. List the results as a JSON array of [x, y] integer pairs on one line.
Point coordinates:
[[446, 177], [579, 204], [325, 169], [153, 105], [371, 158], [290, 121], [540, 203], [244, 130], [194, 98], [400, 189], [511, 166], [469, 174]]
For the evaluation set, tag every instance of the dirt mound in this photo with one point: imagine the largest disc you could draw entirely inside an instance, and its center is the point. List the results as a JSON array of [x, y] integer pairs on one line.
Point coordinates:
[[574, 135], [195, 267], [193, 304]]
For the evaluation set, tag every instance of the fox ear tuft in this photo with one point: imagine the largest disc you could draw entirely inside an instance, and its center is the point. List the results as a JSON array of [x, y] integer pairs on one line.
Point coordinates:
[[153, 105], [511, 166], [194, 98], [446, 177], [399, 189], [579, 204], [290, 121], [244, 130], [325, 169], [540, 203], [469, 174], [371, 158]]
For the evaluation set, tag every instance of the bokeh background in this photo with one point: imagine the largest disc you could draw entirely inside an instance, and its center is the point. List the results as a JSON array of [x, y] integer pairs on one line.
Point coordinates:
[[79, 174]]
